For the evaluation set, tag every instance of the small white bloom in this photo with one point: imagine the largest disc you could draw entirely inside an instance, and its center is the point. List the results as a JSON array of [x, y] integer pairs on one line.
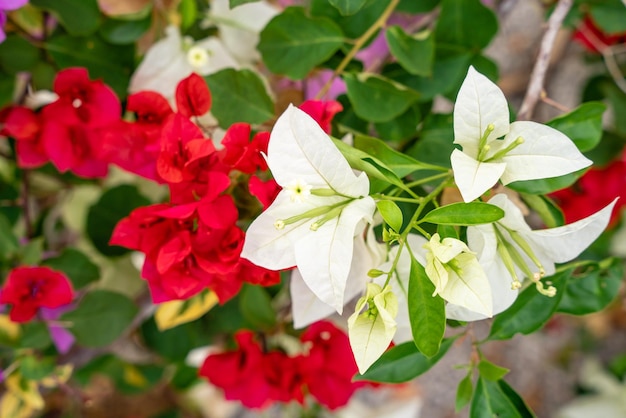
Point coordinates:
[[372, 325], [299, 190], [536, 252], [316, 234], [528, 151]]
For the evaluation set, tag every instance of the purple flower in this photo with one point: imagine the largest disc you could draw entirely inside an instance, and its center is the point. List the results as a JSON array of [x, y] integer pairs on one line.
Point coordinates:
[[4, 6]]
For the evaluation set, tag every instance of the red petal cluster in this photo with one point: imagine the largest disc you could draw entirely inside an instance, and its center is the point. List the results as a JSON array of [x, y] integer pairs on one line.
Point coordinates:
[[589, 35], [259, 378], [29, 288]]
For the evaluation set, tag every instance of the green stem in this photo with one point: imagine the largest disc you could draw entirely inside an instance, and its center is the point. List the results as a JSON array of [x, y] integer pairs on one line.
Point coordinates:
[[380, 22], [381, 196], [428, 179]]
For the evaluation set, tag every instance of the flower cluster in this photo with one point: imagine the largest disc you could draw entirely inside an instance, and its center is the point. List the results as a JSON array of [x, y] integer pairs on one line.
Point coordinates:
[[259, 378]]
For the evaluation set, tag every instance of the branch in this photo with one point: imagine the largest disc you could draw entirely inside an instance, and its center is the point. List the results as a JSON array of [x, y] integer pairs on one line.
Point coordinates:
[[543, 60]]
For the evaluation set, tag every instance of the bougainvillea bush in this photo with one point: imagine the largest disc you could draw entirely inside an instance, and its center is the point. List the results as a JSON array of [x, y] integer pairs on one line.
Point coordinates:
[[292, 202]]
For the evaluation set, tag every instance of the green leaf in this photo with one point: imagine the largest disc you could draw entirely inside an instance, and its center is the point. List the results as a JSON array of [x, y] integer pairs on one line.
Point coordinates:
[[376, 98], [464, 392], [592, 291], [100, 318], [77, 266], [256, 307], [33, 368], [427, 313], [548, 185], [609, 15], [293, 43], [9, 191], [189, 12], [491, 399], [530, 311], [95, 55], [436, 140], [348, 7], [522, 408], [79, 17], [239, 96], [447, 231], [474, 213], [8, 241], [30, 254], [122, 31], [466, 23], [583, 125], [549, 212], [235, 3], [391, 213], [17, 54], [103, 216], [355, 25], [35, 336], [415, 7], [415, 53], [401, 127], [403, 363], [7, 86], [490, 371]]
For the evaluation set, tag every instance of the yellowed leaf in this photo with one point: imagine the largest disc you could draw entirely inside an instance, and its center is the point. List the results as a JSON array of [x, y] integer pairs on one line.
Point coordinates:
[[133, 376], [26, 390], [122, 7], [177, 312]]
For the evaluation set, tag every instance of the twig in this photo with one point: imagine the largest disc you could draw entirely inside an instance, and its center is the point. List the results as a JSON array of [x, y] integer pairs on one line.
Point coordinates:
[[380, 22], [543, 60], [554, 103]]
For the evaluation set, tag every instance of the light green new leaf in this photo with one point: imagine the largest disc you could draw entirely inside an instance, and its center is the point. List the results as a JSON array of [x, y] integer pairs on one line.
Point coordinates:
[[371, 331], [391, 213], [426, 312], [473, 213], [376, 98], [239, 96], [490, 371], [464, 392], [293, 43], [415, 54]]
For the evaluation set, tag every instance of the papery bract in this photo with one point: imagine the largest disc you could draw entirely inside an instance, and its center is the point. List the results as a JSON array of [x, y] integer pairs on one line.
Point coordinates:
[[316, 231], [528, 151], [265, 191], [25, 126], [322, 111], [240, 152], [193, 97], [29, 288]]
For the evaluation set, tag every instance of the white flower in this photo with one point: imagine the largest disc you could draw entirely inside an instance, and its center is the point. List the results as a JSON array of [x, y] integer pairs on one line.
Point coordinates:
[[458, 277], [173, 58], [239, 27], [315, 233], [528, 151], [509, 251], [372, 325]]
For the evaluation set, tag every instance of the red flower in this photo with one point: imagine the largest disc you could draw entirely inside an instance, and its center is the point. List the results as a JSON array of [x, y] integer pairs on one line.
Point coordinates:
[[589, 35], [24, 125], [29, 288], [193, 97], [244, 154], [265, 191], [322, 112]]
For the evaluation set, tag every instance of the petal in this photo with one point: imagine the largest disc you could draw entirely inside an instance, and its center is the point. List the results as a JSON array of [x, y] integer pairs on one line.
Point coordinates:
[[306, 308], [544, 153], [479, 103], [300, 149], [324, 256], [567, 242], [513, 216], [472, 177], [470, 290]]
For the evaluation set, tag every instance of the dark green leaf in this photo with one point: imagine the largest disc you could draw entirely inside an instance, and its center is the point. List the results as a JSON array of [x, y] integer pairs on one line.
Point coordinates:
[[35, 336], [17, 54], [414, 53], [30, 254], [519, 403], [78, 267], [435, 143], [9, 192], [464, 392], [531, 310], [490, 400], [79, 17], [402, 127], [490, 371], [120, 32], [610, 16], [94, 54], [583, 125], [391, 213], [33, 368], [235, 3], [7, 86], [348, 7], [100, 317], [592, 291], [256, 306], [466, 23], [239, 96], [104, 215], [293, 43], [426, 312], [403, 363], [548, 185], [376, 98], [414, 7], [8, 241], [474, 213], [355, 25]]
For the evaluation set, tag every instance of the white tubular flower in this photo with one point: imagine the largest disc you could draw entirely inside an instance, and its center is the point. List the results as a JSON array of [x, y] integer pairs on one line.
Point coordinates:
[[528, 151], [173, 58], [372, 330], [509, 251], [315, 233]]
